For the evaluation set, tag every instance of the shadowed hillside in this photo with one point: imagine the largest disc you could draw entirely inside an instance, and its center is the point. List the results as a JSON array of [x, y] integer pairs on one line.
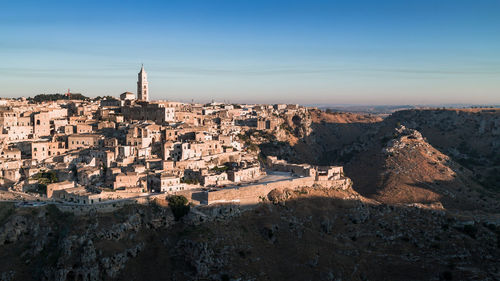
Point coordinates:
[[310, 234], [420, 156], [470, 137]]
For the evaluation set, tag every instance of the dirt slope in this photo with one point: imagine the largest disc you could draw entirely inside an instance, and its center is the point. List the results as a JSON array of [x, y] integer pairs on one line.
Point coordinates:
[[407, 169]]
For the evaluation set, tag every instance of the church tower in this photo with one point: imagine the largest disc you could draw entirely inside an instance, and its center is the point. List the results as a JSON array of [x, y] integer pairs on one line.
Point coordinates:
[[142, 85]]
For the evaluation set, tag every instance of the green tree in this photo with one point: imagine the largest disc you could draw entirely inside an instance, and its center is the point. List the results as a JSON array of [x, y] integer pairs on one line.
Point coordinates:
[[179, 206], [45, 178], [54, 97]]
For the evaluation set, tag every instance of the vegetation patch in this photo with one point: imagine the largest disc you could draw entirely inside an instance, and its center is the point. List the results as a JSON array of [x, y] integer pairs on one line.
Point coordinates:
[[179, 206], [55, 97], [44, 178]]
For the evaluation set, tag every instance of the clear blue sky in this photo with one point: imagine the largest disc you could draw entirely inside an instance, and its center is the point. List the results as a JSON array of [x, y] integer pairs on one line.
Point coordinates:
[[335, 52]]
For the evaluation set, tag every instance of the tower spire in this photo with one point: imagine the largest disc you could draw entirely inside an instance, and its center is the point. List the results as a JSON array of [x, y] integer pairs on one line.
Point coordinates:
[[142, 85]]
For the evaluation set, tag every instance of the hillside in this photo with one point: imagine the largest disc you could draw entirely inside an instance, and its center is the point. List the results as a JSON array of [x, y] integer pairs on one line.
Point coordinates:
[[311, 234], [448, 157], [407, 169], [469, 136]]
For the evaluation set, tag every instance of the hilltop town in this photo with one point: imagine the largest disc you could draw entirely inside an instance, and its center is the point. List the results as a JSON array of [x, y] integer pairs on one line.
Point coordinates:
[[86, 152]]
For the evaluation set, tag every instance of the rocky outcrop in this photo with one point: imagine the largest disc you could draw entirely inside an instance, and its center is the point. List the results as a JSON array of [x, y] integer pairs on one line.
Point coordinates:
[[13, 229], [113, 264], [133, 223], [203, 258], [279, 196], [54, 238], [402, 139]]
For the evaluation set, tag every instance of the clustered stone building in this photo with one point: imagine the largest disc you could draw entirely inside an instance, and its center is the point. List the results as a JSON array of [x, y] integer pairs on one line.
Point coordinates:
[[127, 146]]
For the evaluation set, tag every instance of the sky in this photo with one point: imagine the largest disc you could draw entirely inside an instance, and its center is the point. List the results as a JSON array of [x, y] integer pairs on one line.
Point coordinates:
[[259, 51]]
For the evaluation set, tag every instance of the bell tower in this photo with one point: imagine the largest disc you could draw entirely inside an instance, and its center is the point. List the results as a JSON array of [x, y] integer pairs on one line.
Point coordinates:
[[142, 85]]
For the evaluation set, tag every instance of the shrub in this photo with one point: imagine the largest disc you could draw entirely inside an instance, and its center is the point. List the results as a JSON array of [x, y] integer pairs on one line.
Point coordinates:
[[45, 178], [179, 206], [189, 181], [55, 97], [218, 169]]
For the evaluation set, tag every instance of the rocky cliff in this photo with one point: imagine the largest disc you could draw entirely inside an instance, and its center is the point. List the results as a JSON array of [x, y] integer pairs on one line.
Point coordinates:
[[308, 234]]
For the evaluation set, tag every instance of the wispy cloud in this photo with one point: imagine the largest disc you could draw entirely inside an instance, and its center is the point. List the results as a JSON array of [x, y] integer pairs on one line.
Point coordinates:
[[122, 71]]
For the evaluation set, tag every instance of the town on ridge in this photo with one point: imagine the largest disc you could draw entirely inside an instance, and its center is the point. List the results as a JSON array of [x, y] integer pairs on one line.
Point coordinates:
[[84, 152]]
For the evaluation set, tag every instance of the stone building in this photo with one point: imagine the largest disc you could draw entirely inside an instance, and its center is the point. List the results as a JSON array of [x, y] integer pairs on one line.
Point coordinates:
[[268, 124], [10, 172], [124, 180], [190, 118], [325, 173], [213, 179], [77, 195], [149, 111], [41, 124], [41, 150], [245, 174], [58, 186], [142, 85], [10, 154], [88, 175], [111, 102], [78, 141], [127, 96], [83, 129], [164, 182], [103, 157]]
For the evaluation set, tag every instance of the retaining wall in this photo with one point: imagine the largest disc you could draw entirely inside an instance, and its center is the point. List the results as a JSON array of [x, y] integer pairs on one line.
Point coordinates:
[[94, 208], [253, 194]]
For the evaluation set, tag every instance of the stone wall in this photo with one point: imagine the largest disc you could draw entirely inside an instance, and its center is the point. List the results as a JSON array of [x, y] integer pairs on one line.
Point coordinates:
[[94, 208], [106, 195], [253, 194], [221, 158]]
